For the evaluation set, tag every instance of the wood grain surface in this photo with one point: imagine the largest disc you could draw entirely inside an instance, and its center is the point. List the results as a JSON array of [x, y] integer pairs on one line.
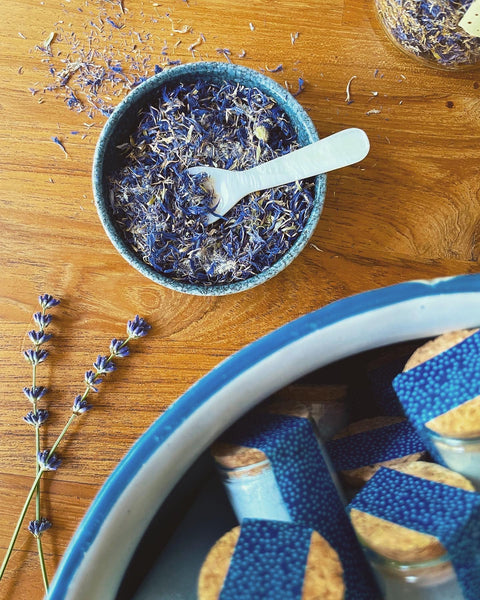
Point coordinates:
[[410, 210]]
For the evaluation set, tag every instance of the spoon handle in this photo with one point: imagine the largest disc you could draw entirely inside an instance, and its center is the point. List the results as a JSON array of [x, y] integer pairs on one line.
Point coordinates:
[[333, 152]]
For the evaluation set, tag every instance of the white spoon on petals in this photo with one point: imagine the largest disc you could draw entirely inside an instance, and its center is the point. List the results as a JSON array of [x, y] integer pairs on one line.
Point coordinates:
[[339, 150]]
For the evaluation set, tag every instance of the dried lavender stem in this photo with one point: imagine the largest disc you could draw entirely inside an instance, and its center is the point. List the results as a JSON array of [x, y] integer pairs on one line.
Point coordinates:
[[60, 437], [72, 418], [41, 558], [37, 469], [41, 471]]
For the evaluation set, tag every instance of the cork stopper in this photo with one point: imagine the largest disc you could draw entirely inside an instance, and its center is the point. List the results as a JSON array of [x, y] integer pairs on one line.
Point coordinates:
[[232, 456], [358, 477], [323, 572], [289, 407], [313, 394], [462, 421], [399, 543]]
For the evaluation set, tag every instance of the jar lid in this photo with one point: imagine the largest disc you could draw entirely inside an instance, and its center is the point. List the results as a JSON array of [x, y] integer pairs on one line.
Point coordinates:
[[323, 576], [359, 476], [399, 543], [233, 456], [314, 394], [464, 420]]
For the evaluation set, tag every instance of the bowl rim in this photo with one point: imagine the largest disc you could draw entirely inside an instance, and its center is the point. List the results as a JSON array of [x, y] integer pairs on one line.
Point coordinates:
[[95, 560], [232, 71]]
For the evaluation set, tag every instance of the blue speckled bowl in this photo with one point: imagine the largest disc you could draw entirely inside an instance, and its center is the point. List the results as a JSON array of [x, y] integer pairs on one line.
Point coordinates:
[[125, 117]]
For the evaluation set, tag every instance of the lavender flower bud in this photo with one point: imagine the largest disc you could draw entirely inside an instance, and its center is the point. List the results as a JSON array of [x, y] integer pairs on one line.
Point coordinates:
[[37, 527], [103, 365], [91, 380], [36, 419], [34, 393], [80, 406], [47, 301], [49, 463], [137, 327], [39, 337], [42, 321], [35, 356], [117, 349]]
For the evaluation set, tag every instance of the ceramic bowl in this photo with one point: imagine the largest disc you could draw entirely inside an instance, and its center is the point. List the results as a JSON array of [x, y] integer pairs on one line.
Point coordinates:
[[125, 118], [140, 488]]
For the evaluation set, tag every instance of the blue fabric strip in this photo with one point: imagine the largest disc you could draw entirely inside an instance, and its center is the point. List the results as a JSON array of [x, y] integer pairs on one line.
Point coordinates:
[[381, 388], [308, 489], [268, 562], [440, 384], [450, 514], [375, 446]]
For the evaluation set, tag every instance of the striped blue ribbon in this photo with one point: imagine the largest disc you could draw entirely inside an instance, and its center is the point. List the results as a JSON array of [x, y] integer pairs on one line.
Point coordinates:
[[377, 445], [268, 562], [450, 514], [308, 490], [440, 384]]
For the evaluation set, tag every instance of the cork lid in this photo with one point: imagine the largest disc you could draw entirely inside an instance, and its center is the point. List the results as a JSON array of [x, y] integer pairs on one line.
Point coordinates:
[[464, 420], [232, 456], [399, 543], [323, 572], [360, 476], [313, 394]]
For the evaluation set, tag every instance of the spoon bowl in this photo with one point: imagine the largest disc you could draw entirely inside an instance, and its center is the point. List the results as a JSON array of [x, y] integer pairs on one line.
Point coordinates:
[[339, 150]]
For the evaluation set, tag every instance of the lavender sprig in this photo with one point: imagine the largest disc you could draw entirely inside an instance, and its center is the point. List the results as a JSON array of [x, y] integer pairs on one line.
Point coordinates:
[[36, 416], [47, 460]]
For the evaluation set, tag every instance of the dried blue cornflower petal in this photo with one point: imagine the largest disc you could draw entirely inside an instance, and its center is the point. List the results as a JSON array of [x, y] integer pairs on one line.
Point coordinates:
[[137, 327], [118, 349], [46, 301], [92, 380], [104, 365], [39, 337], [80, 406], [47, 462], [36, 419], [35, 356], [38, 526], [42, 320], [34, 393]]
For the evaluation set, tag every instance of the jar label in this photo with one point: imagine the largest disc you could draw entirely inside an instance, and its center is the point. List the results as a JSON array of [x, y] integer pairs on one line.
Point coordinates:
[[471, 19]]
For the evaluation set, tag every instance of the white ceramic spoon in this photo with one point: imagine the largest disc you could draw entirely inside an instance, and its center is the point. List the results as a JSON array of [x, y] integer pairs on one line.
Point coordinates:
[[333, 152]]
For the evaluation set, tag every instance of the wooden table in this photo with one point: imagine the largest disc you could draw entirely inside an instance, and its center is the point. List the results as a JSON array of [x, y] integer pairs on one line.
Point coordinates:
[[408, 211]]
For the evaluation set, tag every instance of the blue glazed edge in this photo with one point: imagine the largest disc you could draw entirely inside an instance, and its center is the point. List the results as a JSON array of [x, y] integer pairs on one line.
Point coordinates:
[[160, 431], [300, 120]]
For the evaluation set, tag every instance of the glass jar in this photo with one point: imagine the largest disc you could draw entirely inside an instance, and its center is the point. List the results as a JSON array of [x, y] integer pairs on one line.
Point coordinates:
[[253, 491], [432, 580], [431, 31], [460, 455]]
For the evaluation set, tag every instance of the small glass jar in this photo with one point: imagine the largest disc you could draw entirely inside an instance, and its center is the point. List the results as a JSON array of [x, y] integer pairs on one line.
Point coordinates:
[[431, 31], [432, 580], [253, 491], [460, 455], [326, 402], [248, 477]]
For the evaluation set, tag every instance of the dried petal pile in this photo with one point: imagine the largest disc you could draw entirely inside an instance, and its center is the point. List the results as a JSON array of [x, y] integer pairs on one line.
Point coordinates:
[[161, 210]]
